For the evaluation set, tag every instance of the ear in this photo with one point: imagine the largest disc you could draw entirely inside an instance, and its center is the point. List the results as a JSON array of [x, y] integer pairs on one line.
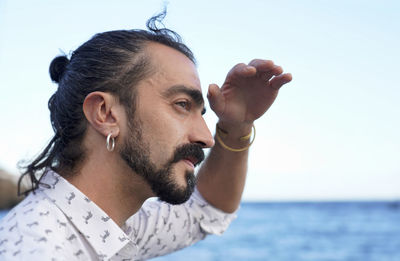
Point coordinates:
[[101, 111]]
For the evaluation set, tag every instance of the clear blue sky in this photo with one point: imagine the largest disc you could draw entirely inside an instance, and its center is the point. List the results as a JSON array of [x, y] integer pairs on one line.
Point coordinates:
[[333, 132]]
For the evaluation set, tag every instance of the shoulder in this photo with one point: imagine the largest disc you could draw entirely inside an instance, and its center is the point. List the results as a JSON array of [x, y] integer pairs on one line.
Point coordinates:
[[32, 228]]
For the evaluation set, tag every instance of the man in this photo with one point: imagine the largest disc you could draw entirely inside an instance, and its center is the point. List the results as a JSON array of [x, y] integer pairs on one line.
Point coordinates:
[[128, 125]]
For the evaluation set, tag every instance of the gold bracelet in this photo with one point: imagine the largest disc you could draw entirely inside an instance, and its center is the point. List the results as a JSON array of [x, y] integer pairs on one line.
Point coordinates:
[[221, 132]]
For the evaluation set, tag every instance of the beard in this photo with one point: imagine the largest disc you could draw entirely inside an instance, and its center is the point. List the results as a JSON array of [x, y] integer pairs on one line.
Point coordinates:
[[136, 154]]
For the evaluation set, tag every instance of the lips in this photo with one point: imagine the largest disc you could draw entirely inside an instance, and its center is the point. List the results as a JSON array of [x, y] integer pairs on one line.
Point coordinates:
[[192, 154], [192, 161]]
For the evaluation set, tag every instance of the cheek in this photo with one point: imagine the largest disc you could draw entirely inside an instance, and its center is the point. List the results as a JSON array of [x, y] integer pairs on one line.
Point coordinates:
[[160, 152], [162, 132], [161, 139]]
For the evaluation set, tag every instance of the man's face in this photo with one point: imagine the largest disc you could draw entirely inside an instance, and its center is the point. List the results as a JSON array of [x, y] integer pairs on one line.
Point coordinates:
[[164, 141]]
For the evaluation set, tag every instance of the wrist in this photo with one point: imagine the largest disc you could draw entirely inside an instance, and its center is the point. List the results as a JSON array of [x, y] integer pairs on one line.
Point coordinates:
[[235, 130], [235, 142]]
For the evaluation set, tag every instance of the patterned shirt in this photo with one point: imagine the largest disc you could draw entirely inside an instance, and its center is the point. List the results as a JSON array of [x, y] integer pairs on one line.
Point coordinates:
[[58, 222]]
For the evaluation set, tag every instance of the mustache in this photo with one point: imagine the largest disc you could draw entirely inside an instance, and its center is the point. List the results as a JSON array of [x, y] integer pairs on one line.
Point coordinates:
[[192, 151]]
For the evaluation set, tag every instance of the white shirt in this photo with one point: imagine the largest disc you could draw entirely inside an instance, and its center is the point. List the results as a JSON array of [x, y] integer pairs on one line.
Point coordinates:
[[59, 222]]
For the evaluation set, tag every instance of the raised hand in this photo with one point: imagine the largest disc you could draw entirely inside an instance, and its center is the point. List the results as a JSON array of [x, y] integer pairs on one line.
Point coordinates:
[[248, 92]]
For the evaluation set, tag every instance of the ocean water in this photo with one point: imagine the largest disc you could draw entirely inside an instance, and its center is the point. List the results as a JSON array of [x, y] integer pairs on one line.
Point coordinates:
[[326, 231], [345, 231]]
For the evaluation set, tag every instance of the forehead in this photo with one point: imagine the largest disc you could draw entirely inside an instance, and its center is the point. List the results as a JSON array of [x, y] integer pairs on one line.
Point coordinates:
[[171, 67]]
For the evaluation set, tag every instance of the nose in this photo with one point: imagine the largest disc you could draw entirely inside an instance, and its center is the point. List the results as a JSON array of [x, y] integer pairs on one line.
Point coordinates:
[[201, 134]]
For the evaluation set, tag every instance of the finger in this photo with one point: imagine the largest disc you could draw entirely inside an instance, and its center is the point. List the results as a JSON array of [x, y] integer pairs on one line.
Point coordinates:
[[242, 70], [277, 82], [215, 98], [262, 65], [277, 70]]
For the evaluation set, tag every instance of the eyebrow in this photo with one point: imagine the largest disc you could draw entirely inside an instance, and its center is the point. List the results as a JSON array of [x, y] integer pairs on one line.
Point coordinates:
[[194, 94]]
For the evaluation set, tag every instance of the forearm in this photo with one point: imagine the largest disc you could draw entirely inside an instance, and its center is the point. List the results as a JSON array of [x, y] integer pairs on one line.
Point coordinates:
[[222, 177]]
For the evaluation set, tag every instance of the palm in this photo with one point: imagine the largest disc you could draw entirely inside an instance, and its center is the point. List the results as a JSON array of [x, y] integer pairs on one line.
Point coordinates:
[[248, 92]]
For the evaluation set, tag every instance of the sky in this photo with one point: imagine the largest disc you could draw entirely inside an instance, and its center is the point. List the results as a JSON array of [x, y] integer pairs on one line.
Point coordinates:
[[332, 133]]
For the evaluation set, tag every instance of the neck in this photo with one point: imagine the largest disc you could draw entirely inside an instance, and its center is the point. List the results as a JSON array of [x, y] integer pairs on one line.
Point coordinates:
[[112, 185]]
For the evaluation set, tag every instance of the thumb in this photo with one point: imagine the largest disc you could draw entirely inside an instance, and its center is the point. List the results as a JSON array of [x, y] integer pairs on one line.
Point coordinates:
[[216, 99]]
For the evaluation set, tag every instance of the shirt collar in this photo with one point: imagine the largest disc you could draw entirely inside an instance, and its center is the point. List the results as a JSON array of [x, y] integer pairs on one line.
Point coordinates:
[[105, 236]]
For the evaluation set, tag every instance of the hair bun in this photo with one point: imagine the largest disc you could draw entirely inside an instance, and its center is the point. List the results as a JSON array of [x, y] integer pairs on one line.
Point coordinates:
[[57, 68]]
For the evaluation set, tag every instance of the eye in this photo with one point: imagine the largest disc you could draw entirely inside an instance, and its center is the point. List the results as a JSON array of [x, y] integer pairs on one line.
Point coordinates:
[[184, 104]]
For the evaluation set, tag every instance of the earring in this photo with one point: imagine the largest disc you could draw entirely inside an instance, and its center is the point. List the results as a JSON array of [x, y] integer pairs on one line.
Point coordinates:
[[110, 146]]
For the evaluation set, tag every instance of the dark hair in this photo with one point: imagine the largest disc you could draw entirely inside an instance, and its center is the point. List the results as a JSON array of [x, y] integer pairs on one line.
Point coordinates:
[[111, 62]]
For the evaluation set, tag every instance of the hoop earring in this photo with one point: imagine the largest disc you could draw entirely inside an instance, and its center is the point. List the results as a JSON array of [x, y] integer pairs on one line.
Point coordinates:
[[110, 146]]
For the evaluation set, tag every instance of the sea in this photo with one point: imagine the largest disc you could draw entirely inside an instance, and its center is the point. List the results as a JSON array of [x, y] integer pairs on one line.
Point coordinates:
[[303, 231]]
